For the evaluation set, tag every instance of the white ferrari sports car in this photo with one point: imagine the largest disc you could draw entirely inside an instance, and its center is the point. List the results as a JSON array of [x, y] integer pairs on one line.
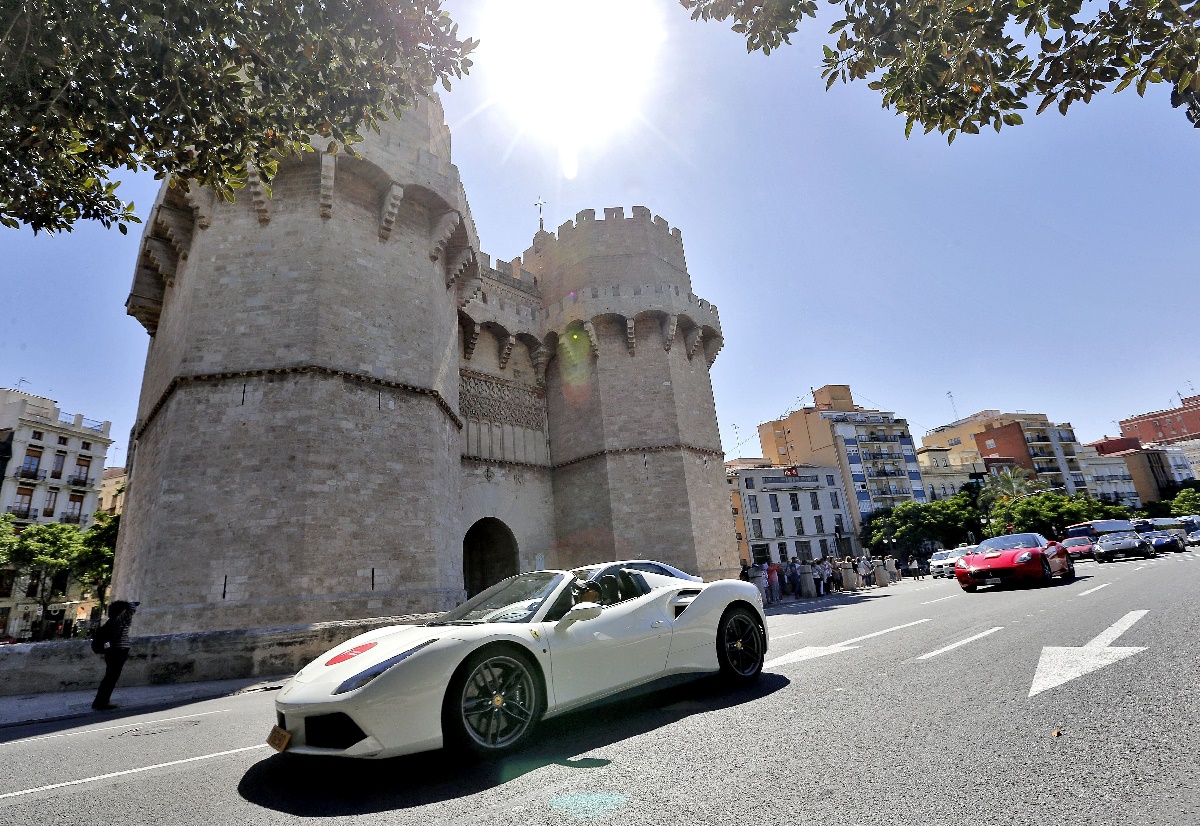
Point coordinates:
[[536, 645]]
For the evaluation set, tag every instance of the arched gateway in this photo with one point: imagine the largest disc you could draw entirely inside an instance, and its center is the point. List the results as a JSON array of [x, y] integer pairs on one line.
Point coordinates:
[[489, 555]]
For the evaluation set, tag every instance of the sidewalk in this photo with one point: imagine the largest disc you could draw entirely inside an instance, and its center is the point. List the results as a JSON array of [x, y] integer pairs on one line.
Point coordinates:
[[65, 705]]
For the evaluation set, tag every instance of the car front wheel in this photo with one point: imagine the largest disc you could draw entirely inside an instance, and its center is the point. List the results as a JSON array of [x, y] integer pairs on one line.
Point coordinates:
[[741, 645], [493, 703], [1047, 574], [970, 589], [1069, 574]]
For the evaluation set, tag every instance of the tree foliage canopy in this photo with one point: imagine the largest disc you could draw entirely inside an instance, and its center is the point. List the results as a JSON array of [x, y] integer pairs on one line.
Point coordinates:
[[1186, 503], [94, 562], [949, 521], [201, 91], [959, 66], [1050, 514]]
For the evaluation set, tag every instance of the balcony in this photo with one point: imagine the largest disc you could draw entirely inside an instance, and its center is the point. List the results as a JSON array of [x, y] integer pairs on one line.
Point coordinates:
[[71, 518], [48, 513], [31, 474], [23, 511], [1037, 438], [880, 437], [79, 481], [1041, 454], [885, 473]]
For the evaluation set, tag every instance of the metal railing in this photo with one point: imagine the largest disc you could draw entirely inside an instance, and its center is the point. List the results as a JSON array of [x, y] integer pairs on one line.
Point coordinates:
[[79, 481], [31, 475], [71, 518], [23, 512]]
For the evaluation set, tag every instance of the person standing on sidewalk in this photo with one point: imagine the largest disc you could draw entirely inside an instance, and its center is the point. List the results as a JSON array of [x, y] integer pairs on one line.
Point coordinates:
[[114, 636]]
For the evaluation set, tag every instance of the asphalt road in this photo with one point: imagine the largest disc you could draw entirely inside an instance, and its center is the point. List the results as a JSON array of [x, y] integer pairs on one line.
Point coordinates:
[[868, 712]]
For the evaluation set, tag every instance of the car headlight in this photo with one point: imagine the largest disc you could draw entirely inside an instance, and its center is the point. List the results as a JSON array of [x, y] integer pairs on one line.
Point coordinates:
[[1024, 556], [363, 677], [961, 563]]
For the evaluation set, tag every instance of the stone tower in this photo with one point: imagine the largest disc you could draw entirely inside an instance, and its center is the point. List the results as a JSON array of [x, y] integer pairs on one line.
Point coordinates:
[[633, 427], [348, 411]]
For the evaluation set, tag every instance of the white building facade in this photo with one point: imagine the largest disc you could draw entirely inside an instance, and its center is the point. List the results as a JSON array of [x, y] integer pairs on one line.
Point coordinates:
[[794, 511], [1107, 477]]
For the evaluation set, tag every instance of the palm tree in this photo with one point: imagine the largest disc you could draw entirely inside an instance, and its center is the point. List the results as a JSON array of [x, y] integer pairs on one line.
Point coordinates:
[[1009, 484]]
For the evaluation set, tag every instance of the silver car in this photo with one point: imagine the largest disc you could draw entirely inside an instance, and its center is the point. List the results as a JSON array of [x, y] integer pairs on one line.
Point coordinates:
[[942, 563], [1123, 543]]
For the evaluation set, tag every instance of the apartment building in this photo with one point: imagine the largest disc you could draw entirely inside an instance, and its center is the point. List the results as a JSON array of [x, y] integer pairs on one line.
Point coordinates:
[[790, 510], [1175, 424], [1150, 467], [1191, 449], [112, 490], [1107, 477], [871, 450], [55, 461], [1179, 463], [943, 478], [1049, 450]]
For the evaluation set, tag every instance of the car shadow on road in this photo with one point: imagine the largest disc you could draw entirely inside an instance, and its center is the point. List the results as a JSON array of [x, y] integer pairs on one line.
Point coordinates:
[[338, 787], [822, 604]]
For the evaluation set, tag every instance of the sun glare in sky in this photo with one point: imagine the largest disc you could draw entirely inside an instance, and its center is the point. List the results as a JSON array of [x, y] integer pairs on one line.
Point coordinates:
[[570, 72]]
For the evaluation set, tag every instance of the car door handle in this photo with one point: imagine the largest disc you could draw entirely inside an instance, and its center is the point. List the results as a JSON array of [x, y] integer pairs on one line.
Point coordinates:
[[656, 624]]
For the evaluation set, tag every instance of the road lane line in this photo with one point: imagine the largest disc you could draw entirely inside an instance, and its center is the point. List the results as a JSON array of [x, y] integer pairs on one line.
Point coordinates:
[[53, 786], [785, 636], [1138, 568], [939, 599], [810, 652], [954, 645], [112, 728], [1093, 590]]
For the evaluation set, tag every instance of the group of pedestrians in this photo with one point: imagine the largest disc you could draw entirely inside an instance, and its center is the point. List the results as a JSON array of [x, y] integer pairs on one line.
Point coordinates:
[[775, 580]]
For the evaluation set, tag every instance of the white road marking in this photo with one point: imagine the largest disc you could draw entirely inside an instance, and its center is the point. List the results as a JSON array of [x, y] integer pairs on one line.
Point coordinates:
[[1093, 590], [954, 645], [785, 636], [1059, 665], [112, 728], [53, 786], [939, 599], [811, 652], [1138, 568]]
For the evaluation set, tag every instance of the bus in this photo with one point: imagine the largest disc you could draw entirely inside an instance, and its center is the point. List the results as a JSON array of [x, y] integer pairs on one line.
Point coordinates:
[[1097, 528], [1180, 526]]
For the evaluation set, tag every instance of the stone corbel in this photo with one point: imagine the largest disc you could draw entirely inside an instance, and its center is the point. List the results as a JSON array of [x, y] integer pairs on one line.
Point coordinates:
[[164, 258], [200, 200], [177, 225], [541, 360], [443, 229], [670, 326], [630, 335], [258, 196], [506, 348], [471, 339], [388, 209], [328, 172], [457, 264], [711, 351], [693, 339], [590, 329]]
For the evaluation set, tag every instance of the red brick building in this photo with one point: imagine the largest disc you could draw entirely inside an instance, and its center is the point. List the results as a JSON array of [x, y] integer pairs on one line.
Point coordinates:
[[1165, 426]]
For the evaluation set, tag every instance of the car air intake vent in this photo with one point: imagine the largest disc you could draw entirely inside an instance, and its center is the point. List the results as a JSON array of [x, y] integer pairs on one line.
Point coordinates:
[[683, 599], [331, 731]]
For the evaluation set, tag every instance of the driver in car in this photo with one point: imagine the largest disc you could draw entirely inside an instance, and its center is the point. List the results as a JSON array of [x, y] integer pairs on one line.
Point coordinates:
[[587, 592]]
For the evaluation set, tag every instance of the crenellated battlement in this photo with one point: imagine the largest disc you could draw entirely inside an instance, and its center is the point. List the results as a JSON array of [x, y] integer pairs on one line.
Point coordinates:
[[586, 219]]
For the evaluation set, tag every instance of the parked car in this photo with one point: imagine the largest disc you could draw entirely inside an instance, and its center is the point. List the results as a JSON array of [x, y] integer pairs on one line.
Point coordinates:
[[944, 566], [1164, 542], [1122, 543], [1013, 558], [1078, 547], [1194, 538], [481, 677]]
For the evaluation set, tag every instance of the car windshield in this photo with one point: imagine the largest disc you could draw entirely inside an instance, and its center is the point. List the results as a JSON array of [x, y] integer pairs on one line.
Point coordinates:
[[1010, 542], [1076, 541], [940, 555], [516, 599]]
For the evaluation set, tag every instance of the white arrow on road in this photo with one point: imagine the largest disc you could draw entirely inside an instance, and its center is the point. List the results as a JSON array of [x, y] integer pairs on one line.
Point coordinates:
[[1061, 665], [811, 652]]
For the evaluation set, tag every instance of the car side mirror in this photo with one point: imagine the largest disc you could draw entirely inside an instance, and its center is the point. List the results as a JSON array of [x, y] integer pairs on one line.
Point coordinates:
[[582, 611]]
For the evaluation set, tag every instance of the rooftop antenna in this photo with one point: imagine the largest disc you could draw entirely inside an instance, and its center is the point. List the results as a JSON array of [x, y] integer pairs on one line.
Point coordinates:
[[953, 406], [539, 203], [23, 380]]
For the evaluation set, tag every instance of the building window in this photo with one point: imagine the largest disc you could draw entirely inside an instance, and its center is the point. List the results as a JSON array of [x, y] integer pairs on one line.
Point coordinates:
[[838, 524], [829, 480], [794, 500], [756, 528], [31, 463], [31, 589], [799, 526], [74, 508], [833, 499], [62, 440], [783, 552], [943, 490], [761, 554], [56, 468], [7, 579], [37, 435], [774, 502], [22, 504], [752, 503], [85, 445], [51, 501], [989, 444], [778, 526], [804, 549], [820, 520], [814, 500], [749, 483]]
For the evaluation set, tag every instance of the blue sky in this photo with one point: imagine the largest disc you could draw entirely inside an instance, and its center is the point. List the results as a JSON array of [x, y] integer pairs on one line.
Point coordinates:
[[1051, 268]]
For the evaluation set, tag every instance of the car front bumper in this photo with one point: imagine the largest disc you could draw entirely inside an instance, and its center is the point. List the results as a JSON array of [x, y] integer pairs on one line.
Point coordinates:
[[999, 574]]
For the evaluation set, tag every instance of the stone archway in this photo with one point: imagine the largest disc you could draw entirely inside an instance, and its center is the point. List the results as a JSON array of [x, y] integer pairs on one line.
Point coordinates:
[[489, 555]]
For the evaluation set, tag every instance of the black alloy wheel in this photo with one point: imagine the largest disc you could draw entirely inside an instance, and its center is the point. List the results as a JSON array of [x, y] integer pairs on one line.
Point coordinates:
[[741, 645], [493, 703], [1070, 572], [970, 589], [1047, 574]]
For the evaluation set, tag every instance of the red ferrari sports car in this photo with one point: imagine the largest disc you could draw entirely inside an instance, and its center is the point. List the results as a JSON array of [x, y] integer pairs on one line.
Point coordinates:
[[1017, 557]]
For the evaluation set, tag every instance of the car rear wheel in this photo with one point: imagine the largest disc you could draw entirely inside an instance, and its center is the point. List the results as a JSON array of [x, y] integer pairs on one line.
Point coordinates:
[[741, 645], [493, 703]]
